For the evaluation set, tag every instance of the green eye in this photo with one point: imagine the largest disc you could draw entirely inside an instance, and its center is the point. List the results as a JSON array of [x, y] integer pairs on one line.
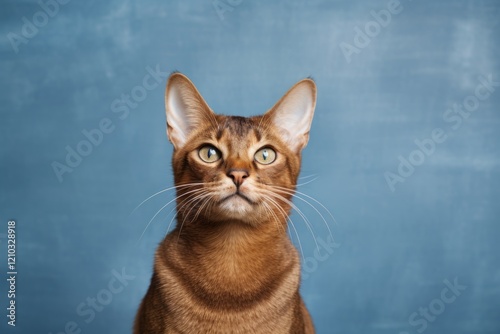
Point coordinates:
[[265, 156], [209, 154]]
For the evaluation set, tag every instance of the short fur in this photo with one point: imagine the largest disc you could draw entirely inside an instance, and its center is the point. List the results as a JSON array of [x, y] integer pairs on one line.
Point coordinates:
[[229, 266]]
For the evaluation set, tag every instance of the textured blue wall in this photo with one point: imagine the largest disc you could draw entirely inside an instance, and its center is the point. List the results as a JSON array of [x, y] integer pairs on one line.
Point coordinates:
[[403, 152]]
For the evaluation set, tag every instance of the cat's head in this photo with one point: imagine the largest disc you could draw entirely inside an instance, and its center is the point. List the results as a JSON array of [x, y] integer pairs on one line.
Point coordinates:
[[231, 168]]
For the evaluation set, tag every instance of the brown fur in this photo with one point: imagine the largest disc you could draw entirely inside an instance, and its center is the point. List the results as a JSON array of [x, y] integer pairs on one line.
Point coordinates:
[[221, 271]]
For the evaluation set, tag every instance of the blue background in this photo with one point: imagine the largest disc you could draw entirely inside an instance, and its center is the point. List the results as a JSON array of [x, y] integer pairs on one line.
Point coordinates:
[[394, 247]]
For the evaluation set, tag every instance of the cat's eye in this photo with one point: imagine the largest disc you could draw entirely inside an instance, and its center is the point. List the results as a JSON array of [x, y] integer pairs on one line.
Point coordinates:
[[265, 156], [209, 154]]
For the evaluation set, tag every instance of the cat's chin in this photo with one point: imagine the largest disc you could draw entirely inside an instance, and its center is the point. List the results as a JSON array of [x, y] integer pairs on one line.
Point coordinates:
[[236, 207]]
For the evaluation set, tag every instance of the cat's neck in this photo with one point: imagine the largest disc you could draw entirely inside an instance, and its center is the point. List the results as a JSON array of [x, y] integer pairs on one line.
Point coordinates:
[[233, 235], [233, 251], [231, 265]]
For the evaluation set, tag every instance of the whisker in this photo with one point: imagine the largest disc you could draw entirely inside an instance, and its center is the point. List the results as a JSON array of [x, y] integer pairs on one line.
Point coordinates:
[[318, 212], [285, 216], [287, 191], [307, 182], [163, 207], [277, 221], [181, 205], [308, 176], [308, 223], [156, 214], [196, 200], [311, 198], [210, 207], [207, 201], [298, 238], [162, 191]]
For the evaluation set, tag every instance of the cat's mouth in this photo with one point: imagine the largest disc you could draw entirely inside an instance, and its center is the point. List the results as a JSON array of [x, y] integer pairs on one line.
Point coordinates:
[[239, 195]]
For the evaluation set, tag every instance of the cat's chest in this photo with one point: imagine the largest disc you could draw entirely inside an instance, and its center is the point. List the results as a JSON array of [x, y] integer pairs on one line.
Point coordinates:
[[194, 310], [226, 296]]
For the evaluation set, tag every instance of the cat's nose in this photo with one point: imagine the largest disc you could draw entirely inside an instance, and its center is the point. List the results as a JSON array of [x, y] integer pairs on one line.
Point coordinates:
[[238, 176]]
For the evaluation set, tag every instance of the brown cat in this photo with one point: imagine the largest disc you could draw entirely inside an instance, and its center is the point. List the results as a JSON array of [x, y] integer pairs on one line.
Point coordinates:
[[229, 265]]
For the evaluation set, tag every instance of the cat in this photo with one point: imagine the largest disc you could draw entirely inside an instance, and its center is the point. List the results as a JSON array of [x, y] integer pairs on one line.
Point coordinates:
[[229, 265]]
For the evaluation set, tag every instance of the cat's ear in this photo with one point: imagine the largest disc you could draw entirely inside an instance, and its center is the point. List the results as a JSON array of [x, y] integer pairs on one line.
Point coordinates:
[[186, 109], [293, 114]]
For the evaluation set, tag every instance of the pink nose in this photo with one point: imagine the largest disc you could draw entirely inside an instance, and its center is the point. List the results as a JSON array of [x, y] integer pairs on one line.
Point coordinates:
[[238, 176]]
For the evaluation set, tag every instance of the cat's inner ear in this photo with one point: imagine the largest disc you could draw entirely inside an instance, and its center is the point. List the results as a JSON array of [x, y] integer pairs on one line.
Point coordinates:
[[186, 109], [293, 114]]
